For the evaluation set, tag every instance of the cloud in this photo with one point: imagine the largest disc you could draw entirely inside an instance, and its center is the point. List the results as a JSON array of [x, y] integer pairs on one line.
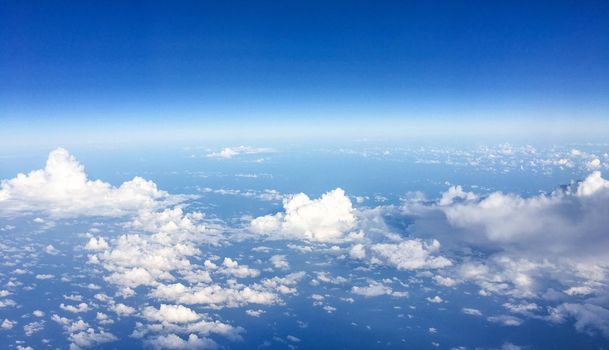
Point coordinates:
[[411, 254], [7, 324], [471, 311], [90, 338], [589, 318], [82, 335], [280, 262], [231, 152], [82, 307], [374, 289], [173, 341], [122, 309], [62, 189], [436, 299], [326, 219], [567, 222], [33, 327], [506, 320], [170, 313], [96, 244]]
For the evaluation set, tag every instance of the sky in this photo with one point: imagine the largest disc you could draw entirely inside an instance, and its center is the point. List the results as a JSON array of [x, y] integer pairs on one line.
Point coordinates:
[[97, 71], [304, 175]]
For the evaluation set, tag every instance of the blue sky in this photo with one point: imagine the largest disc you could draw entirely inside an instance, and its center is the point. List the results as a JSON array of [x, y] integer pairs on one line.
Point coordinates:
[[304, 175], [95, 66]]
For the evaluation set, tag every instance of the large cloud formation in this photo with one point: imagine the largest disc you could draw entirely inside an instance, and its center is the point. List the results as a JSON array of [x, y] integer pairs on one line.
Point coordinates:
[[550, 246], [326, 219], [570, 221], [62, 189]]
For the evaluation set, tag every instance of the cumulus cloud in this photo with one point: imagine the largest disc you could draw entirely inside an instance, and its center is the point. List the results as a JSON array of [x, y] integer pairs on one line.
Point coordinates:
[[173, 341], [231, 152], [82, 307], [329, 218], [62, 189], [411, 254], [170, 313], [7, 324], [279, 261], [375, 289], [568, 221]]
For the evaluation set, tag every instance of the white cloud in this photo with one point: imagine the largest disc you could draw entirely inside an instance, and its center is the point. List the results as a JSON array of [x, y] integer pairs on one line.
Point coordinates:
[[7, 324], [280, 262], [471, 311], [96, 244], [232, 267], [122, 309], [82, 307], [62, 189], [436, 299], [506, 320], [561, 223], [358, 251], [230, 152], [38, 313], [445, 281], [558, 237], [411, 254], [589, 318], [33, 327], [49, 249], [90, 338], [326, 219], [374, 289], [173, 341], [170, 313]]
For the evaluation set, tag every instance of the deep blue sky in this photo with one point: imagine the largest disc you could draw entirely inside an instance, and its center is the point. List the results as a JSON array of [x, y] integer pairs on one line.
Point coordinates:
[[117, 61]]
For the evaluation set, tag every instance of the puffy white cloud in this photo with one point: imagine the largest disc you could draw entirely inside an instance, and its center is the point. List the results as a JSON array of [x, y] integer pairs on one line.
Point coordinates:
[[49, 249], [7, 324], [172, 341], [280, 262], [561, 236], [122, 309], [326, 219], [33, 327], [215, 295], [170, 313], [90, 338], [594, 164], [436, 299], [358, 251], [411, 254], [565, 222], [62, 189], [38, 313], [232, 267], [82, 307], [254, 313], [96, 244], [445, 281]]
